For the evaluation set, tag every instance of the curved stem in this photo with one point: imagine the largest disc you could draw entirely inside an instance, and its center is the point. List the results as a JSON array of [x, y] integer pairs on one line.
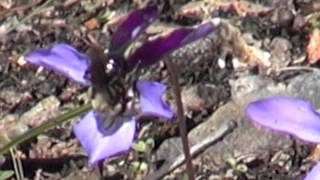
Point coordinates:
[[50, 124], [182, 121]]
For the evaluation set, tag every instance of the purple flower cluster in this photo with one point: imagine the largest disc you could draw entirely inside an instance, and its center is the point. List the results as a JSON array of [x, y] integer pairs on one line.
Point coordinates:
[[101, 143], [291, 116]]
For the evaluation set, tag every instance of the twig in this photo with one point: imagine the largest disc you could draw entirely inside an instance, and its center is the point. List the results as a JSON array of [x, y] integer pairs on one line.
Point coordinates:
[[28, 17], [195, 150], [182, 122], [11, 11], [298, 68]]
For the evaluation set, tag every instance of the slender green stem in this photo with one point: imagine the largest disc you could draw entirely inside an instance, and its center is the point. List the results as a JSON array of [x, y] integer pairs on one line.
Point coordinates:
[[15, 165], [182, 121], [50, 124], [20, 167]]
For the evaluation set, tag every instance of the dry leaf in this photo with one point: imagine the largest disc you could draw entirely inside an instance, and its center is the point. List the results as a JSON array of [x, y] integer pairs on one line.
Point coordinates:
[[69, 3], [257, 56], [199, 10], [194, 10], [244, 8], [232, 38], [7, 4], [315, 154], [92, 24], [313, 48]]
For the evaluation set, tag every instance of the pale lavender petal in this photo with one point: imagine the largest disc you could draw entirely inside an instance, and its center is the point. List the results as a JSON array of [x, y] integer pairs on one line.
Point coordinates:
[[314, 174], [132, 27], [151, 51], [101, 144], [287, 114], [62, 58], [150, 99]]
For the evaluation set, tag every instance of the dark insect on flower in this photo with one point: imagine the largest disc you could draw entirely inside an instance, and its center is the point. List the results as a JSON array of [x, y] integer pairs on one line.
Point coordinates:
[[109, 93], [110, 128], [108, 73]]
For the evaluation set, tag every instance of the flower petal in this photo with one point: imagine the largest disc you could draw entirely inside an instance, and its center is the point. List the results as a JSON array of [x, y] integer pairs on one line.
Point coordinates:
[[150, 99], [101, 144], [314, 174], [132, 27], [287, 114], [151, 51], [64, 59]]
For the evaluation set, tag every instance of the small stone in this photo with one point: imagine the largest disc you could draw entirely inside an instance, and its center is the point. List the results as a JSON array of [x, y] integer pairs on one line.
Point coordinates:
[[92, 24], [43, 111], [282, 17], [281, 52]]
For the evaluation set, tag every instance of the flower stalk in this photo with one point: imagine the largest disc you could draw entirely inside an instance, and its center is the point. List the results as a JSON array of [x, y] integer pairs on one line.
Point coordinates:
[[180, 115]]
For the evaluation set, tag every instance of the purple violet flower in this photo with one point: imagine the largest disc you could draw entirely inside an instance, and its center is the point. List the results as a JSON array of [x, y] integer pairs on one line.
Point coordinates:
[[101, 144], [289, 115], [63, 58], [314, 174]]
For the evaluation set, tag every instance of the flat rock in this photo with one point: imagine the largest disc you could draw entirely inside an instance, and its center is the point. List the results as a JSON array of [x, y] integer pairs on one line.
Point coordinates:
[[306, 86], [246, 139]]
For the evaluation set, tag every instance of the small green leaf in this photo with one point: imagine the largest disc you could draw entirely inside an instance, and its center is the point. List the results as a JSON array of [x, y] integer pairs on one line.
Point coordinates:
[[140, 146], [88, 6], [139, 166], [6, 174], [150, 142], [106, 16], [242, 168], [231, 161], [143, 166]]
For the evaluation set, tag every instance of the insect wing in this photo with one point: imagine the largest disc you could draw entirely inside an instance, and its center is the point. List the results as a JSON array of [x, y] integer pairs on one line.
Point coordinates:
[[132, 27], [151, 51]]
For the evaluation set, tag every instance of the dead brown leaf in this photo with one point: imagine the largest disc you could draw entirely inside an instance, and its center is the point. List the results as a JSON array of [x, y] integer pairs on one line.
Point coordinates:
[[7, 4], [315, 155], [245, 8], [199, 10], [193, 10], [92, 23], [313, 47], [250, 56]]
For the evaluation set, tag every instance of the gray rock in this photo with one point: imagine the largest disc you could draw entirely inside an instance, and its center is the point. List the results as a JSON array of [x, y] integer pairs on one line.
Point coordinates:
[[246, 138], [306, 86], [247, 84], [41, 112], [12, 126], [281, 52]]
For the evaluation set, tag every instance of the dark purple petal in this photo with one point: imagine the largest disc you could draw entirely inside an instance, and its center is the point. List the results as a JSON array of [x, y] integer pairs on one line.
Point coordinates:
[[132, 27], [101, 144], [314, 174], [150, 99], [151, 51], [287, 114], [64, 59]]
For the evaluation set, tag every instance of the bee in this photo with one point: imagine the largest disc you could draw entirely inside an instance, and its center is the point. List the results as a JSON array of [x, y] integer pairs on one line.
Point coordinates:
[[109, 86]]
